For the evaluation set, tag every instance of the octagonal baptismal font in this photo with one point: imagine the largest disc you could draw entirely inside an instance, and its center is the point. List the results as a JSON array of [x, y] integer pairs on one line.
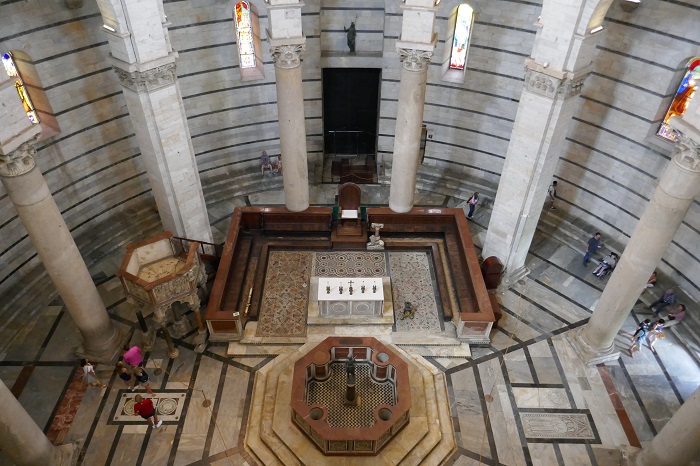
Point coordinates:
[[350, 395]]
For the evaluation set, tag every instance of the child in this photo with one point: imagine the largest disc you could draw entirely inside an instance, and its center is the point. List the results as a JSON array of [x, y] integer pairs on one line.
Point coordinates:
[[144, 408], [89, 372], [639, 338], [655, 333]]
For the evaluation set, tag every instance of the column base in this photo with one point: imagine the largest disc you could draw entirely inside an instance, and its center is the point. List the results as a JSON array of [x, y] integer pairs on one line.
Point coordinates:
[[106, 351], [513, 278], [624, 455], [68, 454], [588, 354]]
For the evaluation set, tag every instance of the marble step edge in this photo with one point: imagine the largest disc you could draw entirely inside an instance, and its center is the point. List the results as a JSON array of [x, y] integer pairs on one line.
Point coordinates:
[[442, 452], [266, 381], [273, 373], [237, 349], [423, 339], [442, 351]]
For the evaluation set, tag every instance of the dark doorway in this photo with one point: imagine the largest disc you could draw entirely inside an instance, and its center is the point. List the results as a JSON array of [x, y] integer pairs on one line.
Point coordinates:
[[350, 110]]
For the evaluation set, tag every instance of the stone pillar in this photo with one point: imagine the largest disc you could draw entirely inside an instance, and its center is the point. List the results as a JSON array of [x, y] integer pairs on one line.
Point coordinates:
[[22, 440], [286, 46], [144, 61], [415, 48], [677, 443], [677, 189], [26, 187], [554, 75]]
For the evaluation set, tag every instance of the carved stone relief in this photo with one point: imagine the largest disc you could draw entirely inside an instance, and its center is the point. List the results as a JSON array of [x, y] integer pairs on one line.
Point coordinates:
[[549, 86], [20, 161], [415, 60], [687, 153], [287, 56], [144, 81]]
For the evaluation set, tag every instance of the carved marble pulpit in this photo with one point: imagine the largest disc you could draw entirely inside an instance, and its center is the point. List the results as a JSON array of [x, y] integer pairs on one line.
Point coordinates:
[[160, 271]]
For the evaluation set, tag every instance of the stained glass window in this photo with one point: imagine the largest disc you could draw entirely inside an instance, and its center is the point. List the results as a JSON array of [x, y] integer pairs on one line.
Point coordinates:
[[460, 44], [244, 35], [685, 92], [12, 72]]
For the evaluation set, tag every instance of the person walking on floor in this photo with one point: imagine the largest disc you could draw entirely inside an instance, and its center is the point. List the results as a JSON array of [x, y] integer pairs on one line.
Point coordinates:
[[141, 378], [638, 339], [133, 356], [472, 201], [655, 333], [89, 373], [592, 246], [552, 194], [144, 408], [125, 375]]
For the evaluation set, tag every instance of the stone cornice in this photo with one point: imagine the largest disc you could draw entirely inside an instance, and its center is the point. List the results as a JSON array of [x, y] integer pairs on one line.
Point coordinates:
[[687, 153], [20, 161], [287, 56], [414, 59], [148, 80]]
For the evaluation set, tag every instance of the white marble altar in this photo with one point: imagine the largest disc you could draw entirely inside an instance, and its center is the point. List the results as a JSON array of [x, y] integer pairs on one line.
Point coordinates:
[[335, 300]]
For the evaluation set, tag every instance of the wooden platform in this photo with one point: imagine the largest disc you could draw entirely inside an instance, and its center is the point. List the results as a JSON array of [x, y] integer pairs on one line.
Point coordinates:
[[255, 231]]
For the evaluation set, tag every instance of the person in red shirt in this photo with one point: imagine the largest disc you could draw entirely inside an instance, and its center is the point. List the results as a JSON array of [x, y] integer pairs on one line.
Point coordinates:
[[144, 408]]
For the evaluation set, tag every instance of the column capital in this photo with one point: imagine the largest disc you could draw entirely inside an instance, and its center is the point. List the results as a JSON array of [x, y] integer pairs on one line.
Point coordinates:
[[19, 161], [287, 56], [147, 80], [687, 153], [414, 59]]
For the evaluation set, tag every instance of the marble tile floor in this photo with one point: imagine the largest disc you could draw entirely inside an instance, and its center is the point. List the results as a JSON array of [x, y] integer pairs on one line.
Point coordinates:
[[525, 399]]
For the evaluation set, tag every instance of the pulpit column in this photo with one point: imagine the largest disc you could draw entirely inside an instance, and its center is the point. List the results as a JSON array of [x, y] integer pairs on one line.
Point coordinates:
[[137, 31], [678, 187], [287, 43], [415, 48]]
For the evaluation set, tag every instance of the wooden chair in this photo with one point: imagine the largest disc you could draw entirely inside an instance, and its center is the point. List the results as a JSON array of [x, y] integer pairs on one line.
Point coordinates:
[[349, 200]]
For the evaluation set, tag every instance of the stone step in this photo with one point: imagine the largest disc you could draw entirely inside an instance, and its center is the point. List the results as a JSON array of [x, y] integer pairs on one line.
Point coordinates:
[[443, 351], [237, 349], [441, 427]]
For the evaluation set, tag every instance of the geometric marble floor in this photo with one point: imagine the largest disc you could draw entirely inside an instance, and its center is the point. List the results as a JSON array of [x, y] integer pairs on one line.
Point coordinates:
[[525, 399]]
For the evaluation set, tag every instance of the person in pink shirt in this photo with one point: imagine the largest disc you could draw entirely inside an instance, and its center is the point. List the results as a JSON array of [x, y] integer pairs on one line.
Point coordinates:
[[133, 356]]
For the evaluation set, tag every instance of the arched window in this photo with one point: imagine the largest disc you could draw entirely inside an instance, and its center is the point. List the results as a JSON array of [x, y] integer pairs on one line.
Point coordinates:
[[460, 41], [459, 26], [680, 102], [248, 40], [9, 64]]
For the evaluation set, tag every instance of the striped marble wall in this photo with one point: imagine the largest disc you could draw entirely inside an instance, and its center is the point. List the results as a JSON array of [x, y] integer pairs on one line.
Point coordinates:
[[607, 172]]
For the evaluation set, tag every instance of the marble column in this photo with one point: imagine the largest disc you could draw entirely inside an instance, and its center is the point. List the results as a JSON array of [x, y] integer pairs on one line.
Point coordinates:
[[409, 118], [554, 74], [137, 31], [678, 187], [415, 48], [28, 191], [22, 440], [287, 43], [677, 443], [290, 110]]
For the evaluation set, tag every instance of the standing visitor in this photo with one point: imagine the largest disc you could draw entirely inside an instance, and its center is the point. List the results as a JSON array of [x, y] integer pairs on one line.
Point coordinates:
[[639, 339], [552, 194], [125, 375], [472, 201], [592, 246], [142, 378], [655, 333], [145, 409], [89, 374], [133, 356]]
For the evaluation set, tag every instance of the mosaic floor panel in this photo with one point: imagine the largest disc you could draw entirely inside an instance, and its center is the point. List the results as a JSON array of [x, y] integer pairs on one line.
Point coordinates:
[[350, 264], [168, 407], [411, 281], [285, 299]]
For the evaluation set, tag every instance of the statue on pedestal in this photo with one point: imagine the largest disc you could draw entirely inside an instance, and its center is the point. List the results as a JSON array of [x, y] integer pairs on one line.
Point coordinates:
[[375, 243], [351, 37]]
